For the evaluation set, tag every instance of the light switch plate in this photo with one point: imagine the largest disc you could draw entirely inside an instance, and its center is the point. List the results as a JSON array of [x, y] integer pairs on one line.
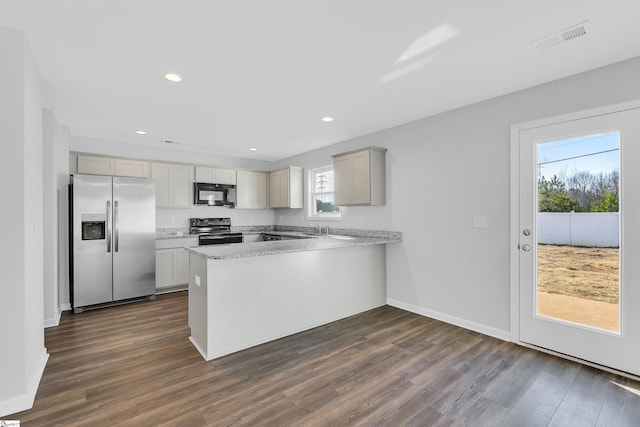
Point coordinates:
[[197, 280]]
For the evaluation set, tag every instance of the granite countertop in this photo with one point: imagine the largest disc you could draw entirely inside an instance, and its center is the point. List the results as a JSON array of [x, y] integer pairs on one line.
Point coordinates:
[[173, 233], [313, 243]]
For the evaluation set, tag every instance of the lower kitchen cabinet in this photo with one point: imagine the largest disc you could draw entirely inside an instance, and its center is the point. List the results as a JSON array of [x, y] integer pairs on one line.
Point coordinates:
[[172, 262]]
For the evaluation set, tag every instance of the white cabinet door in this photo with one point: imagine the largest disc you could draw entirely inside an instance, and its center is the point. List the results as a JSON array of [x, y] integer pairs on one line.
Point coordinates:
[[174, 185], [161, 175], [279, 189], [286, 188], [205, 174], [115, 167], [243, 190], [215, 175], [343, 178], [182, 266], [165, 271], [225, 176], [359, 177], [133, 168], [296, 187], [172, 267], [259, 190], [96, 165], [182, 186], [251, 190]]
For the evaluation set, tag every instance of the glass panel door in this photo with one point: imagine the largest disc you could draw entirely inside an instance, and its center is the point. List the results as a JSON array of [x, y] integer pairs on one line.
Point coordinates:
[[578, 238], [578, 229]]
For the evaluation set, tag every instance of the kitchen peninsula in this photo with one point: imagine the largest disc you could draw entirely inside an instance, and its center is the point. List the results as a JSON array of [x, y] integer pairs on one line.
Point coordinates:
[[242, 295]]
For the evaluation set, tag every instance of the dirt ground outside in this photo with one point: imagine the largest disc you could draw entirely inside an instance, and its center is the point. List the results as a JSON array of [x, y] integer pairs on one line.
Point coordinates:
[[579, 284], [589, 273]]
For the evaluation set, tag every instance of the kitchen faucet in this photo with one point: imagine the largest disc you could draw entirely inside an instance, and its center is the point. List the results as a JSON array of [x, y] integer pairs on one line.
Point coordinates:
[[326, 227], [316, 228]]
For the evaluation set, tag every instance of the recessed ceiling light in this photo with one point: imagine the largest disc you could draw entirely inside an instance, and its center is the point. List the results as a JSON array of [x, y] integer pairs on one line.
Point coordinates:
[[173, 77], [141, 132], [327, 119], [253, 149]]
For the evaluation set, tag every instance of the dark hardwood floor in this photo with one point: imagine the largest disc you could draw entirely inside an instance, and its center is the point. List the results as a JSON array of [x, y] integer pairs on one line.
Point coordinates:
[[134, 366]]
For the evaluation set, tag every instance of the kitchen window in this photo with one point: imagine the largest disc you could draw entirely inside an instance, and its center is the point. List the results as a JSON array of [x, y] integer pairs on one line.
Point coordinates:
[[321, 194]]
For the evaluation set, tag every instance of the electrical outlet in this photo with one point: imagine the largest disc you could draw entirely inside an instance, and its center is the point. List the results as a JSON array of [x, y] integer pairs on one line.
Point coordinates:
[[479, 222]]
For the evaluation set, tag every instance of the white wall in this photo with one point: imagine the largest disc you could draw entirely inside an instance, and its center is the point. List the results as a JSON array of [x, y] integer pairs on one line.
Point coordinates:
[[50, 220], [55, 179], [61, 140], [21, 250], [442, 171]]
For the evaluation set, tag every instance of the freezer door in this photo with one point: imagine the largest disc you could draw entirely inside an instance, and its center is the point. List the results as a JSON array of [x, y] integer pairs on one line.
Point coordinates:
[[92, 273], [134, 232]]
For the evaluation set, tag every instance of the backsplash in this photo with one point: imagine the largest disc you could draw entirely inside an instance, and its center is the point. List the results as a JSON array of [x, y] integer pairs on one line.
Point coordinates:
[[179, 218]]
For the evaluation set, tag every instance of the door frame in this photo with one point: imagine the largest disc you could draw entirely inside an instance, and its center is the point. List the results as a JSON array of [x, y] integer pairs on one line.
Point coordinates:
[[514, 233]]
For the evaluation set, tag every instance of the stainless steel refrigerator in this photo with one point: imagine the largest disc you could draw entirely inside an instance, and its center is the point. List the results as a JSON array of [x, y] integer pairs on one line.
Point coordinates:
[[112, 225]]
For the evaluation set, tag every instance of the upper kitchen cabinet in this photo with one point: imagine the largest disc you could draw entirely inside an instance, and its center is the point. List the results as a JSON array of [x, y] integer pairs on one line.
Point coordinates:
[[215, 175], [251, 190], [110, 166], [96, 165], [134, 168], [174, 185], [359, 177], [285, 188]]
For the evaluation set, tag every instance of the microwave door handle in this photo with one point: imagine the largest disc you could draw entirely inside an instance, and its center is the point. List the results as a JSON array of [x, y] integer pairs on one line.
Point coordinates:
[[116, 232], [108, 226]]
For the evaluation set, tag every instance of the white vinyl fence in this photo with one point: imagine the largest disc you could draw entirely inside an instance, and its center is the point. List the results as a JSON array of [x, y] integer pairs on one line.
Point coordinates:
[[591, 229]]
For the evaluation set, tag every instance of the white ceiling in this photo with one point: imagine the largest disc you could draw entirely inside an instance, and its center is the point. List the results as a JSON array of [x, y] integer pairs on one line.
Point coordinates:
[[264, 72]]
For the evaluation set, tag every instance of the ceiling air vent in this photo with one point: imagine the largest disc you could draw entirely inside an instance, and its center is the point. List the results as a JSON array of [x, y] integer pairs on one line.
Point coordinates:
[[563, 36]]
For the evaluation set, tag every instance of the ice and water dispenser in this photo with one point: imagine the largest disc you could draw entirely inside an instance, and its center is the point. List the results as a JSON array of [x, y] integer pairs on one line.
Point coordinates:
[[94, 226]]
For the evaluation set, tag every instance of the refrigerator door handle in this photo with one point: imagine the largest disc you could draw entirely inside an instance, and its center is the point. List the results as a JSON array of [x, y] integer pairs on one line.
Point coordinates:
[[115, 226], [108, 226]]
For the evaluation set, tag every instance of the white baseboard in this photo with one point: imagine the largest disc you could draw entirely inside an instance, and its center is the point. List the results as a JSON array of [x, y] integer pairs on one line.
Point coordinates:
[[53, 322], [202, 352], [25, 401], [456, 321], [65, 306]]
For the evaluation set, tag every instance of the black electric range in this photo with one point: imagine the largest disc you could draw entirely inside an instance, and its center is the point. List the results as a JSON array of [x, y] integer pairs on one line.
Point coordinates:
[[213, 231]]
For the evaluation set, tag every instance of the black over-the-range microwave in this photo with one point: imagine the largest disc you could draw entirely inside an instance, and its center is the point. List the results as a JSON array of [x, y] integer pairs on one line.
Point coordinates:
[[214, 194]]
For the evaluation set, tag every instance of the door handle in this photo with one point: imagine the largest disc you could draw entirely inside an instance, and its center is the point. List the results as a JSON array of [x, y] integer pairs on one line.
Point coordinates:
[[115, 227], [108, 226], [526, 248]]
